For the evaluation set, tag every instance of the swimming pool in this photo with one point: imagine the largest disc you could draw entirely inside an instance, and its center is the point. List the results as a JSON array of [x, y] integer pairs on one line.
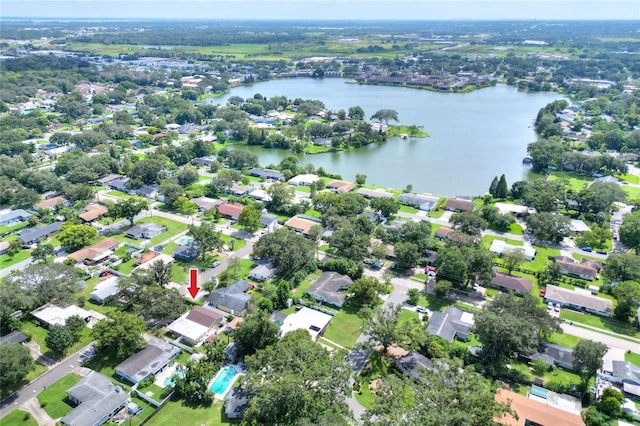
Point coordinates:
[[184, 240], [223, 380], [169, 380]]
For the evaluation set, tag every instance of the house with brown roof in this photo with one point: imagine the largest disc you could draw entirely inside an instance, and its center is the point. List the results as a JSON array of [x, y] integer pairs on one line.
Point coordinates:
[[341, 186], [576, 270], [579, 299], [504, 282], [443, 232], [458, 205], [231, 211], [302, 224], [92, 211], [96, 253], [196, 325], [52, 202], [533, 412]]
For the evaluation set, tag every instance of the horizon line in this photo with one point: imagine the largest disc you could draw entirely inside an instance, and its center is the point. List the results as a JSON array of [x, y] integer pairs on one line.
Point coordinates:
[[140, 19]]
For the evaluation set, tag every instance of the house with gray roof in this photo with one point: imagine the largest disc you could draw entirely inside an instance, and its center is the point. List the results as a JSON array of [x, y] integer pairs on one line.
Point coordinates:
[[579, 299], [13, 337], [148, 191], [8, 217], [145, 230], [232, 299], [266, 174], [31, 236], [413, 364], [423, 202], [504, 282], [187, 252], [96, 400], [263, 272], [236, 403], [622, 373], [552, 354], [451, 323], [120, 184], [151, 359], [268, 221], [329, 288]]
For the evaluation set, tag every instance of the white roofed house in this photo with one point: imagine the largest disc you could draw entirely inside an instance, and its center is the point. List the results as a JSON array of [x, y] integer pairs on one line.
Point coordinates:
[[105, 290], [315, 322], [196, 325], [263, 272], [302, 180], [499, 247]]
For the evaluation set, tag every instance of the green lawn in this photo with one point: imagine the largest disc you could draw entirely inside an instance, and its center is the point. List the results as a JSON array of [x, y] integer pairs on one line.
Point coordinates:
[[173, 228], [632, 358], [564, 339], [542, 255], [488, 239], [516, 229], [39, 334], [119, 194], [146, 411], [302, 288], [14, 227], [433, 302], [189, 415], [104, 363], [408, 209], [155, 390], [575, 182], [609, 324], [345, 327], [632, 192], [55, 395], [6, 260], [407, 316], [19, 418]]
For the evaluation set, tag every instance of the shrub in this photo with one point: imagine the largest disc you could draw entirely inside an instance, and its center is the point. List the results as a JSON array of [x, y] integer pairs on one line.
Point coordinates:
[[26, 417], [43, 404]]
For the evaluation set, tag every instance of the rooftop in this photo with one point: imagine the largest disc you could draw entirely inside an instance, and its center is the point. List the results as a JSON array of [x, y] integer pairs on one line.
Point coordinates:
[[155, 354], [306, 319], [533, 412], [517, 284], [329, 287], [577, 298], [92, 212], [97, 397]]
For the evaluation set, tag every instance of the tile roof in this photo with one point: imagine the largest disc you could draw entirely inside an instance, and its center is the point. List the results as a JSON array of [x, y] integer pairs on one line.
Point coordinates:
[[517, 284], [531, 411]]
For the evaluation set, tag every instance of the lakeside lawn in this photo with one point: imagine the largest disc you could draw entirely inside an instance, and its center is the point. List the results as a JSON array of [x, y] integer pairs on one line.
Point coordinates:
[[54, 396], [190, 415], [19, 418]]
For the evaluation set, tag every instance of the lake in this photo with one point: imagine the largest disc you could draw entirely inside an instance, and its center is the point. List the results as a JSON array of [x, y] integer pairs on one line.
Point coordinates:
[[474, 136]]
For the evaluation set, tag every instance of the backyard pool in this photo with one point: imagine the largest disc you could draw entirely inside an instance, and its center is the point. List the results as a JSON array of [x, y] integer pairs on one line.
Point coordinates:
[[184, 240], [169, 380], [223, 380]]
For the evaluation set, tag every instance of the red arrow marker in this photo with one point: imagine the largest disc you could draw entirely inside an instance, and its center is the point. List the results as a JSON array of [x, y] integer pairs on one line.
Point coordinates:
[[193, 283]]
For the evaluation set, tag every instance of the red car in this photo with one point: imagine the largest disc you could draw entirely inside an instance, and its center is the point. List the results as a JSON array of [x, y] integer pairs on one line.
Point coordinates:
[[543, 291]]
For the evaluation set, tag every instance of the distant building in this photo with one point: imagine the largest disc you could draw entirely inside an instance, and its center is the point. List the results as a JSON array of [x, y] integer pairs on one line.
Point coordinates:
[[423, 202], [231, 211], [457, 205], [8, 217], [302, 223], [303, 180], [499, 247], [341, 186], [374, 193], [267, 174], [52, 202], [145, 230]]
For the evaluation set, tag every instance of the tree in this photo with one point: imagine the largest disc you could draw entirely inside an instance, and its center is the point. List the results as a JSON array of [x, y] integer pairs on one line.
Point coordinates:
[[74, 237], [418, 233], [629, 231], [541, 194], [413, 296], [59, 339], [512, 258], [468, 222], [72, 104], [493, 186], [194, 384], [360, 179], [628, 295], [386, 206], [161, 272], [75, 324], [407, 254], [444, 395], [37, 285], [206, 238], [588, 358], [610, 402], [551, 227], [451, 264], [256, 332], [385, 115], [356, 113], [289, 251], [15, 364], [366, 291], [442, 287], [510, 324], [121, 331], [159, 306], [127, 209], [350, 241], [282, 195], [622, 267], [249, 218], [14, 248], [383, 327], [147, 170], [42, 252], [171, 192], [187, 176], [502, 189], [295, 381]]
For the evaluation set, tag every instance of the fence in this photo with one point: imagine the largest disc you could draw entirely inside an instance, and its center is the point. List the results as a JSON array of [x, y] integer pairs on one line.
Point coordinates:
[[158, 408]]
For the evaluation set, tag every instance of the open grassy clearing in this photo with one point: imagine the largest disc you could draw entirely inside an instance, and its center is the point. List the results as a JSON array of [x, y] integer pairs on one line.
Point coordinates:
[[345, 327], [53, 397], [608, 324], [19, 418], [190, 415]]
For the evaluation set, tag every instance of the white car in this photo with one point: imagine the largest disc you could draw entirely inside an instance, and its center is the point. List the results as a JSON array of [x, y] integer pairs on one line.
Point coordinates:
[[549, 305], [557, 307]]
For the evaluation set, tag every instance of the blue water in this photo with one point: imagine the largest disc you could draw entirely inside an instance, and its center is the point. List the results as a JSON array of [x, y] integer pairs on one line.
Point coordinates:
[[184, 240], [221, 383], [169, 380]]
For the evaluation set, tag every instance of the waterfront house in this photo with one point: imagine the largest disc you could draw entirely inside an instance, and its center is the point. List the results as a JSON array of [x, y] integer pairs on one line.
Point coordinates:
[[458, 205], [423, 202], [341, 186], [266, 174], [150, 360], [96, 400], [31, 236], [329, 288], [303, 180], [374, 193], [579, 299], [232, 299]]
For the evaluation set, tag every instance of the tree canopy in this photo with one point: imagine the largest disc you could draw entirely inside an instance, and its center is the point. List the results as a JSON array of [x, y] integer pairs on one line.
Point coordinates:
[[121, 331], [256, 332], [15, 364]]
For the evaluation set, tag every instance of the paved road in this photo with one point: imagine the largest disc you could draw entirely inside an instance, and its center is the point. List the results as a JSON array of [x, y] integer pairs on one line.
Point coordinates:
[[591, 334], [35, 387]]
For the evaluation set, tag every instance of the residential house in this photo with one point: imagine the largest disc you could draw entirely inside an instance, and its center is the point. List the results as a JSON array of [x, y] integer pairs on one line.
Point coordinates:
[[238, 190], [329, 288], [504, 282], [148, 191], [443, 233], [232, 299], [105, 290], [607, 179], [315, 322], [423, 202], [204, 161], [303, 180], [374, 193], [150, 360], [92, 211], [107, 179], [341, 186], [576, 270], [260, 195], [31, 236], [552, 354], [236, 404], [622, 373], [51, 314], [8, 217], [187, 252], [145, 230], [451, 323], [513, 209], [147, 260], [120, 184], [499, 247], [263, 272], [267, 174], [303, 224], [579, 299], [96, 400], [231, 211], [13, 337], [196, 325], [413, 364], [52, 202], [532, 412], [458, 205], [96, 253], [206, 203], [577, 225], [268, 221], [561, 401]]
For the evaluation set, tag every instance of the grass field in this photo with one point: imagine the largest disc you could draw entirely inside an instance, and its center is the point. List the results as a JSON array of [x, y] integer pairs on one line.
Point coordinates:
[[55, 395], [19, 418], [189, 415], [632, 358], [345, 327], [6, 260], [564, 339], [608, 324]]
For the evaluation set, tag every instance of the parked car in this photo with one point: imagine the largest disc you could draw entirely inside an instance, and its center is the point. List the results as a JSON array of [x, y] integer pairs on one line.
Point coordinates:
[[216, 263], [368, 262], [549, 305], [421, 309], [602, 252], [543, 291], [587, 249], [557, 307]]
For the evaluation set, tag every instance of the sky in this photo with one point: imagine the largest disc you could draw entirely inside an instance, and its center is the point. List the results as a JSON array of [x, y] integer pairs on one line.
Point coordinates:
[[349, 10]]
